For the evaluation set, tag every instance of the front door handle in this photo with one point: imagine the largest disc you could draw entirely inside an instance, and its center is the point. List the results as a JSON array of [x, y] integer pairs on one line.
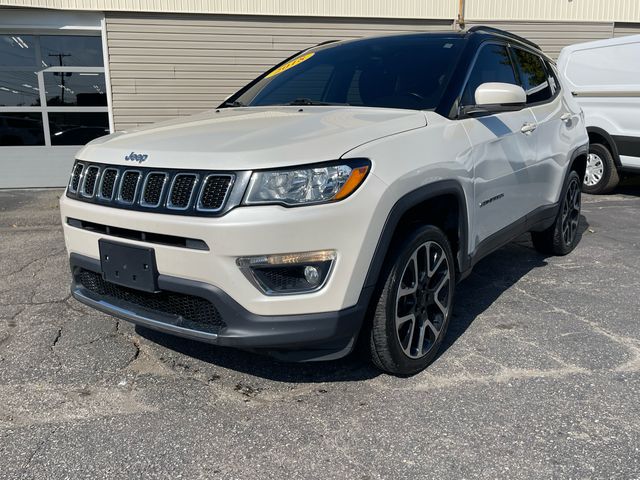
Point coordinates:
[[566, 117], [528, 127]]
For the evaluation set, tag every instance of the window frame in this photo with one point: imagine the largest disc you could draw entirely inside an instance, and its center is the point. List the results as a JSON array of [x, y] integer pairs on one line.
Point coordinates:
[[551, 73], [43, 109]]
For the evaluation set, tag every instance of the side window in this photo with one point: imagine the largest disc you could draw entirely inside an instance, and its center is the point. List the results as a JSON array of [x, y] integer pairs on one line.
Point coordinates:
[[493, 64], [533, 76]]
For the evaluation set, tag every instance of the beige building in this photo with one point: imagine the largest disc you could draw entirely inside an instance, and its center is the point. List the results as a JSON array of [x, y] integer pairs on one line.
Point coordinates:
[[71, 70]]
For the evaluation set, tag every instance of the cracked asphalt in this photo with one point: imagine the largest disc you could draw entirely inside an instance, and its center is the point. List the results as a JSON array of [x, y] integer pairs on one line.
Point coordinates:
[[540, 377]]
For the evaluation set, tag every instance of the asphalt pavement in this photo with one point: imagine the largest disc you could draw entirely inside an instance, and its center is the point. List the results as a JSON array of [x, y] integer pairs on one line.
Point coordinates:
[[540, 377]]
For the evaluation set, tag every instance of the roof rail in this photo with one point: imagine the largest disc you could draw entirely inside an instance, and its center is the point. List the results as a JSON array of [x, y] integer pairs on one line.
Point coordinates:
[[325, 43], [504, 33]]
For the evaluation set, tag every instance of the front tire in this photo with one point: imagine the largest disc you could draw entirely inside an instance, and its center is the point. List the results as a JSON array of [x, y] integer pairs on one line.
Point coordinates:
[[415, 304], [562, 237], [601, 175]]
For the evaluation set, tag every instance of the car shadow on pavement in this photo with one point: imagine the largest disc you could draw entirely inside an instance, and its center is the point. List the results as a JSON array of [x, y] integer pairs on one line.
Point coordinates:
[[350, 368], [491, 278]]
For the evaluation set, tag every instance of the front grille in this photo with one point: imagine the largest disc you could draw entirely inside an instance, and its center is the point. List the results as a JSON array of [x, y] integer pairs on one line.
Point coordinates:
[[214, 192], [152, 190], [90, 179], [129, 186], [169, 191], [75, 177], [109, 177], [182, 190], [187, 311]]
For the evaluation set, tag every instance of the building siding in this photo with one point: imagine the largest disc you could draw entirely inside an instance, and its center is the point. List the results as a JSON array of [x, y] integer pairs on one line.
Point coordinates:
[[439, 9], [553, 36], [554, 10], [513, 10], [163, 66]]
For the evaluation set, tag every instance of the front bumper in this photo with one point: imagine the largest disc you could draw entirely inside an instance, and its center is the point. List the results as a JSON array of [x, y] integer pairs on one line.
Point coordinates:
[[350, 227], [305, 337]]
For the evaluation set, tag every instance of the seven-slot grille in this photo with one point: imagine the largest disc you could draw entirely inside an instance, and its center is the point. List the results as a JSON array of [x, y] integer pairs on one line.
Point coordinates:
[[108, 182], [90, 180], [152, 189], [214, 191], [129, 186], [76, 175], [166, 191], [182, 190]]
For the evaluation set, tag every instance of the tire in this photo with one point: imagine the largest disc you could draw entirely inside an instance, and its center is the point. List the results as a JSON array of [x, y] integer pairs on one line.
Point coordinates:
[[601, 175], [562, 237], [424, 264]]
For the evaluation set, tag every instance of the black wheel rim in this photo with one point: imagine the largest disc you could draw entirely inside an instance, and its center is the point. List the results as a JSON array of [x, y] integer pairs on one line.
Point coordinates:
[[423, 300], [571, 212]]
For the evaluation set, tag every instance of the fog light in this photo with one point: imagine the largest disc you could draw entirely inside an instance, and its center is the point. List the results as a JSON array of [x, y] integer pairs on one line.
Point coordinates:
[[312, 275], [290, 273]]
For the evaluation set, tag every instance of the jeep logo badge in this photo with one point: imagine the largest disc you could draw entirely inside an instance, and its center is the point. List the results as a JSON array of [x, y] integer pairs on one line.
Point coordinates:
[[136, 157]]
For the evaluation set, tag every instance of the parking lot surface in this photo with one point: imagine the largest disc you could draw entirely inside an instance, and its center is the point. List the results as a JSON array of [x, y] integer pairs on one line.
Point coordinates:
[[540, 377]]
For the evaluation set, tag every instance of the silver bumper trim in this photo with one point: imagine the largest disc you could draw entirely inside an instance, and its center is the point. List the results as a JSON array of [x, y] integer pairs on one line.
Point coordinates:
[[161, 323]]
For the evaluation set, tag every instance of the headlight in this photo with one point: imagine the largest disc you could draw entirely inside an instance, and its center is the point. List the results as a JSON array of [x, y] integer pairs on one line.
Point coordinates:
[[307, 185]]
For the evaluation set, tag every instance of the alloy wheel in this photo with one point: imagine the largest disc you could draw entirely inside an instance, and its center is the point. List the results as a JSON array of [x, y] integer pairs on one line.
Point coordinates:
[[423, 299], [595, 170], [571, 212]]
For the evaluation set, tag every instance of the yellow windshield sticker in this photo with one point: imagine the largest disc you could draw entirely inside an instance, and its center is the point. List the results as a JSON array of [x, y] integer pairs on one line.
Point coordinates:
[[291, 64]]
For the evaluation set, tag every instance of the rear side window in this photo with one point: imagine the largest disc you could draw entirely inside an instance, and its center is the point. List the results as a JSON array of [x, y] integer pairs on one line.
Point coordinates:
[[493, 64], [533, 76]]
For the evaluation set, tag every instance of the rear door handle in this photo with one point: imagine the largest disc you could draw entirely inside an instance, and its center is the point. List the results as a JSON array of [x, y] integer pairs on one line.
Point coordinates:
[[528, 127], [566, 117]]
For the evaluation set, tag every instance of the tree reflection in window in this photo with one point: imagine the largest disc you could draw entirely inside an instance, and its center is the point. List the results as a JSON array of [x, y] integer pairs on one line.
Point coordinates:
[[533, 76]]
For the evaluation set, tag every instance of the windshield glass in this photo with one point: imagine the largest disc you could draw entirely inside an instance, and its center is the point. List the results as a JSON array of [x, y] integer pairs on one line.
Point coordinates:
[[396, 72]]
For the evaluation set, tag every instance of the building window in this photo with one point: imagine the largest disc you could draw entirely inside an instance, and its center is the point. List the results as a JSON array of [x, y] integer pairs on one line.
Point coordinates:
[[18, 129], [79, 89], [52, 90], [77, 128]]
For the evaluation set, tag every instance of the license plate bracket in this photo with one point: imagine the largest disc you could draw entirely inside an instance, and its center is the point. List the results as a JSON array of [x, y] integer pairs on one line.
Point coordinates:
[[128, 265]]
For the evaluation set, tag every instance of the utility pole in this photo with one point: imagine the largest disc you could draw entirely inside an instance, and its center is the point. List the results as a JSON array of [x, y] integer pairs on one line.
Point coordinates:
[[459, 23], [61, 74]]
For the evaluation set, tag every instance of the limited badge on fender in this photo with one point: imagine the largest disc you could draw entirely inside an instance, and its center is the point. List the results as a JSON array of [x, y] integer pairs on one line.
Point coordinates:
[[291, 64]]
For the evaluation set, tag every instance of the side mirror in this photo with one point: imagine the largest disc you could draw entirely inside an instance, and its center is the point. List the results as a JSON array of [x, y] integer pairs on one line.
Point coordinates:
[[500, 96]]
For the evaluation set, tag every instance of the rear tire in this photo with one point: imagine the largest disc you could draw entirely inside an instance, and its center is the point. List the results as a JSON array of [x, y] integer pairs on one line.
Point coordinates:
[[415, 303], [562, 237], [601, 175]]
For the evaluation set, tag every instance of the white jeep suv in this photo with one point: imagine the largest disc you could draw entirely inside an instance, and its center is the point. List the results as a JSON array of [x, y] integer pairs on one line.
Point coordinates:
[[339, 196]]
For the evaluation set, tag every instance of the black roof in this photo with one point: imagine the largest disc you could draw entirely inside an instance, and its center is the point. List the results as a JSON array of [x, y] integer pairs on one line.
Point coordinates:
[[477, 30]]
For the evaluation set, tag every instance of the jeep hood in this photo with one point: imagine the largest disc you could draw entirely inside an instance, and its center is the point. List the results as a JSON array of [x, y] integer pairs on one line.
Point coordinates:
[[253, 137]]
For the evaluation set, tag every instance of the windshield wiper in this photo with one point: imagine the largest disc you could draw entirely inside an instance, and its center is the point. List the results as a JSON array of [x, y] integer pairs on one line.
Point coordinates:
[[234, 103], [308, 101]]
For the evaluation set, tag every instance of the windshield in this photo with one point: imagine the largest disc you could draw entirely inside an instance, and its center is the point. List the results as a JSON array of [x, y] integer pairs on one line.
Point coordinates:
[[409, 72]]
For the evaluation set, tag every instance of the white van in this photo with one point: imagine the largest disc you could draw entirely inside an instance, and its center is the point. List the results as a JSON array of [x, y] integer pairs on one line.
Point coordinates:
[[604, 77]]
